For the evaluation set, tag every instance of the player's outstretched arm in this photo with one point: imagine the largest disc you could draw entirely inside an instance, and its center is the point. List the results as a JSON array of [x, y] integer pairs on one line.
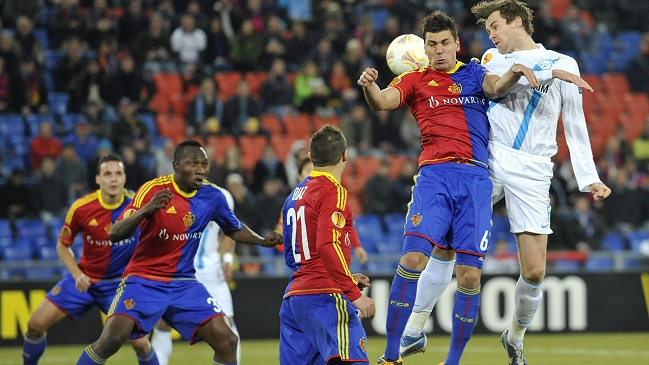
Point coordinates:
[[572, 78], [70, 262], [386, 99], [246, 235], [495, 86], [125, 228]]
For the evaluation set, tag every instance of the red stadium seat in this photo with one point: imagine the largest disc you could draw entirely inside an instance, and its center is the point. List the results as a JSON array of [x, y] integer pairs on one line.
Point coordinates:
[[396, 164], [168, 83], [253, 148], [271, 123], [366, 166], [282, 145], [255, 79], [615, 84], [172, 126], [297, 126], [220, 145], [318, 122], [160, 103], [227, 83], [355, 204]]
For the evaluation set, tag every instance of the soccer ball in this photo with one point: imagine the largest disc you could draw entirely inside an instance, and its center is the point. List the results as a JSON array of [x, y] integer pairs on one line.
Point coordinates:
[[406, 53]]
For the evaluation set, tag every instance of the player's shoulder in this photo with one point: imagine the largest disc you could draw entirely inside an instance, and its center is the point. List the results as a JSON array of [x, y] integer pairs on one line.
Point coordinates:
[[85, 201], [491, 56], [156, 184], [409, 76], [213, 188]]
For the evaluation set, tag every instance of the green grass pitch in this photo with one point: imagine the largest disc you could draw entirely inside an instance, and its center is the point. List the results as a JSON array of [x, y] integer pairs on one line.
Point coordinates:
[[573, 349]]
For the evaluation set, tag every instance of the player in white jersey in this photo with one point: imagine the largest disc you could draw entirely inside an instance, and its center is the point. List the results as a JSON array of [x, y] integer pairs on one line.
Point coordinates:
[[522, 141], [213, 264]]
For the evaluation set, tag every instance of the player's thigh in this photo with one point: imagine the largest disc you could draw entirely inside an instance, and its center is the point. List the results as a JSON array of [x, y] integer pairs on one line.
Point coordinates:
[[45, 315], [430, 210], [294, 346], [67, 298], [190, 306], [104, 292], [141, 300], [472, 218], [220, 291], [532, 250], [331, 324]]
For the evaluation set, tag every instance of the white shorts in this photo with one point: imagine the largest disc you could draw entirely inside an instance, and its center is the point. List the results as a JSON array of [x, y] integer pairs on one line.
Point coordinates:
[[218, 289], [524, 181]]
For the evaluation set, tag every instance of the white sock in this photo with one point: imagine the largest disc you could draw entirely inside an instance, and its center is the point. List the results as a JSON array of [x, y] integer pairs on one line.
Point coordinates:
[[432, 283], [161, 342], [528, 299], [236, 332]]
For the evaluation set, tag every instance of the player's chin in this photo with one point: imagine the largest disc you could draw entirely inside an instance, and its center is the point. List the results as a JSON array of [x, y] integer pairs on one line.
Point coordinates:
[[198, 183]]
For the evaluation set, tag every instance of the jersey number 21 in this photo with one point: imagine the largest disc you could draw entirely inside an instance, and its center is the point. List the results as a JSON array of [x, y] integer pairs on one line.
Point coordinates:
[[292, 219]]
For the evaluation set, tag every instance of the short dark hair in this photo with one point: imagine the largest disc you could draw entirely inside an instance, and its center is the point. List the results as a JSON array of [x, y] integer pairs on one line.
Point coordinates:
[[327, 146], [438, 21], [509, 10], [109, 157], [180, 149]]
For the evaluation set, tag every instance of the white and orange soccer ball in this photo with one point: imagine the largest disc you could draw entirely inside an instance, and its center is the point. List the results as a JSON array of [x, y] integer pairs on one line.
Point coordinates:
[[406, 53]]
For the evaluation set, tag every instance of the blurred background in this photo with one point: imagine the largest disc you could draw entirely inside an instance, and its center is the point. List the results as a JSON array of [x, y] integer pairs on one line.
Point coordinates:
[[253, 79]]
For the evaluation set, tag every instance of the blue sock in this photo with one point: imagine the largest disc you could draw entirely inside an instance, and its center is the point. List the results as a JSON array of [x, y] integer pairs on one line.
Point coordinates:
[[33, 349], [148, 359], [465, 315], [400, 303], [89, 357]]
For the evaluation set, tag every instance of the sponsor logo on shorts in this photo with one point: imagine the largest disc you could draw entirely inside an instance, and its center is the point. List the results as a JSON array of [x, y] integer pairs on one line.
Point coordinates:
[[188, 219], [545, 225], [338, 219], [416, 219], [363, 343], [129, 304], [56, 290]]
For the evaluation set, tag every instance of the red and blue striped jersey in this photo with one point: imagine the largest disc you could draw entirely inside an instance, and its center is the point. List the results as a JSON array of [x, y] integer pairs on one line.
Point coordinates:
[[317, 238], [93, 218], [170, 237], [450, 108]]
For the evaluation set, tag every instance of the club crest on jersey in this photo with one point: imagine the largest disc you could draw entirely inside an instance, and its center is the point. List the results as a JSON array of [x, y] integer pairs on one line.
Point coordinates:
[[108, 227], [455, 88], [338, 219], [56, 290], [188, 219], [416, 219], [66, 232], [129, 304], [487, 58], [363, 343]]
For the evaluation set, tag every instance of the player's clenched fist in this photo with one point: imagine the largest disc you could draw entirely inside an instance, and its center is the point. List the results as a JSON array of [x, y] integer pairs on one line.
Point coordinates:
[[273, 239], [159, 200], [368, 77], [363, 281], [366, 307]]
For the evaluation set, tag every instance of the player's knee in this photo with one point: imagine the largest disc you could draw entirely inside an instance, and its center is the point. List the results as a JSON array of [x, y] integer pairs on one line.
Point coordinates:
[[141, 346], [109, 343], [533, 275], [35, 327], [414, 261], [227, 344]]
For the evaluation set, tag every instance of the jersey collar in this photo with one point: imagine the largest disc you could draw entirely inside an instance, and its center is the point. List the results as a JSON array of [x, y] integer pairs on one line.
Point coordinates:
[[182, 193], [315, 173], [110, 206], [458, 64]]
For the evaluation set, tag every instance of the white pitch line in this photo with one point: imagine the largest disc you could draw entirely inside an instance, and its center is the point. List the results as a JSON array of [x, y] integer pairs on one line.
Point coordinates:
[[559, 351]]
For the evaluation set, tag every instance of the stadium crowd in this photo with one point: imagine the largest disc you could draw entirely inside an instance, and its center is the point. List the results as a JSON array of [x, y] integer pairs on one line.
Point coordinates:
[[252, 79]]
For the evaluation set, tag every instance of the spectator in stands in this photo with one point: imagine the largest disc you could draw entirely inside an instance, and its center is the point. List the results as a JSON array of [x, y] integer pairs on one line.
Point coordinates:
[[641, 148], [344, 93], [92, 87], [244, 209], [357, 128], [579, 33], [311, 90], [50, 193], [334, 30], [295, 46], [164, 158], [622, 210], [9, 50], [136, 173], [129, 83], [547, 30], [72, 171], [365, 34], [129, 130], [403, 184], [44, 144], [100, 116], [274, 42], [637, 72], [205, 111], [31, 89], [70, 70], [103, 149], [12, 10], [323, 56], [232, 164], [188, 41], [99, 23], [201, 18], [242, 111], [8, 103], [231, 17], [277, 92], [378, 194], [107, 55], [217, 52], [584, 228], [67, 21], [85, 143], [268, 202], [385, 131], [15, 197], [298, 10], [410, 133], [247, 48], [28, 45], [355, 62], [296, 153], [152, 47], [167, 10], [132, 23], [268, 167]]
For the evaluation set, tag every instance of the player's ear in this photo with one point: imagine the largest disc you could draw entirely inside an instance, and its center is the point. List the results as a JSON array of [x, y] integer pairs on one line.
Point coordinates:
[[345, 156], [310, 159]]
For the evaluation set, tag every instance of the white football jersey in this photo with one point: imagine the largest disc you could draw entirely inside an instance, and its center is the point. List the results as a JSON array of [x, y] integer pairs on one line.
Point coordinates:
[[208, 259], [526, 119]]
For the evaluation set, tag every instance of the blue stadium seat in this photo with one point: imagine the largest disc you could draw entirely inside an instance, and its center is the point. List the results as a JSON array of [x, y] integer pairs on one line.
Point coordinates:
[[52, 57], [636, 238], [381, 267], [42, 37], [389, 247], [47, 253], [6, 241], [15, 253], [379, 16], [34, 121], [49, 80], [369, 231], [395, 223], [11, 124], [31, 228], [613, 241], [599, 263], [594, 64], [632, 263], [566, 265], [58, 102], [629, 42], [46, 14], [149, 120], [5, 229], [68, 121], [38, 242], [42, 273]]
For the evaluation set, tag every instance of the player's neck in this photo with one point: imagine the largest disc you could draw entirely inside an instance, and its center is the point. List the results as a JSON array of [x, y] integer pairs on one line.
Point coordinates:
[[526, 43], [336, 170], [110, 199]]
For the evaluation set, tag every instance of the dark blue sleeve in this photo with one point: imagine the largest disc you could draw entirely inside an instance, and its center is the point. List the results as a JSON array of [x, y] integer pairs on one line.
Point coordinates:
[[478, 71], [223, 215], [288, 249]]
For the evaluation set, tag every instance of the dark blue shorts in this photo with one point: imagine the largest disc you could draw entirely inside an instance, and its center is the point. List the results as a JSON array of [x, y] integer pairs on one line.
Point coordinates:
[[74, 303], [317, 327], [451, 208], [184, 304]]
